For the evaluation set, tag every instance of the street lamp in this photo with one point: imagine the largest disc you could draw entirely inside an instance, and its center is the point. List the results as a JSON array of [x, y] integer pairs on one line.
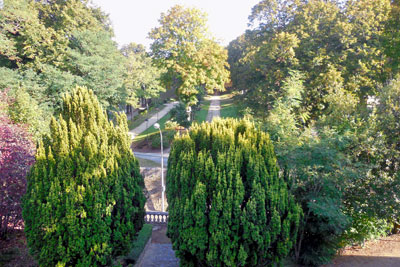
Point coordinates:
[[157, 126], [188, 111]]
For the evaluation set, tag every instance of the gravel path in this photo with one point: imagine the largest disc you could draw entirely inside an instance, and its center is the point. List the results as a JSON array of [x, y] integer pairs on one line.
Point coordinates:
[[214, 109], [159, 252]]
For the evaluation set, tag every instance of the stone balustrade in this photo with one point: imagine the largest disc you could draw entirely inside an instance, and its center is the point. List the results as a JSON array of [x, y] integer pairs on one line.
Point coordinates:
[[156, 217]]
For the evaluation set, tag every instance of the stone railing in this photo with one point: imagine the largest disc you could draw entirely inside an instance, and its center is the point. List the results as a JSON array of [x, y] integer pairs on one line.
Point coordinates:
[[156, 217]]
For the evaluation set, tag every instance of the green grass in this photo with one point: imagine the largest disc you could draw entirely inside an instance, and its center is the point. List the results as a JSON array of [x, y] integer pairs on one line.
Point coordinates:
[[229, 109], [151, 130], [140, 243], [148, 163], [139, 119], [201, 115], [226, 96]]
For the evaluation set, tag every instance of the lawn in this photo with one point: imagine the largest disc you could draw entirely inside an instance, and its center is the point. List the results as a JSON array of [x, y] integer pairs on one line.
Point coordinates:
[[229, 109], [151, 130], [139, 119], [201, 115], [148, 163]]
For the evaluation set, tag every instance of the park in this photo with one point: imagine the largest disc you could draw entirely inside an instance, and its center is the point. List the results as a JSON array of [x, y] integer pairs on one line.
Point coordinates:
[[276, 144]]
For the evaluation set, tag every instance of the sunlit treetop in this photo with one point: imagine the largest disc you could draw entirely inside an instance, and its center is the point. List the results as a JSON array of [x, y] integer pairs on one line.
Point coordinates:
[[183, 45]]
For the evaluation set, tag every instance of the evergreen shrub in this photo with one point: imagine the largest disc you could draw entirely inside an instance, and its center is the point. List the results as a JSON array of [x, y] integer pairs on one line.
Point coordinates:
[[168, 136], [228, 206], [180, 115], [84, 201]]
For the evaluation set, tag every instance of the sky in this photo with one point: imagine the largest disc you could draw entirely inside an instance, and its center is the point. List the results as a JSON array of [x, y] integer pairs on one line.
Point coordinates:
[[132, 20]]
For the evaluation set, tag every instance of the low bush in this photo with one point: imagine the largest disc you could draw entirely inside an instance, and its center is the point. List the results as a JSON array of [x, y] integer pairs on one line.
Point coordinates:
[[366, 227], [180, 115], [168, 136], [139, 244]]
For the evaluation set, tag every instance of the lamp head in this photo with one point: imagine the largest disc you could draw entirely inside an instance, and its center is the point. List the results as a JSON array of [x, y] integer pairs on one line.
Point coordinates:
[[156, 125]]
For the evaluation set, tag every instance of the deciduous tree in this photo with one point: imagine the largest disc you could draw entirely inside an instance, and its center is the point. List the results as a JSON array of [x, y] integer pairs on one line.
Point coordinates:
[[142, 78], [192, 58]]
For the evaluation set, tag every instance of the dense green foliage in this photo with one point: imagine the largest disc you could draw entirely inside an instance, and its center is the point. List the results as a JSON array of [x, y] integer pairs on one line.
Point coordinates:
[[330, 42], [168, 136], [312, 167], [342, 168], [180, 115], [391, 37], [60, 44], [228, 206], [84, 200], [182, 45], [139, 244], [319, 76], [49, 47], [143, 79]]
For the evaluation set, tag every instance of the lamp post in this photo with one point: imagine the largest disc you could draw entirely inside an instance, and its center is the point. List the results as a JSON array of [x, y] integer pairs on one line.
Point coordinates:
[[157, 126], [188, 111]]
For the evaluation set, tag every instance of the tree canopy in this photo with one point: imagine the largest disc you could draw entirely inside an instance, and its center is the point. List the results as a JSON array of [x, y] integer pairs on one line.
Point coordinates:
[[49, 47], [330, 42], [322, 78], [61, 44], [143, 78], [191, 57]]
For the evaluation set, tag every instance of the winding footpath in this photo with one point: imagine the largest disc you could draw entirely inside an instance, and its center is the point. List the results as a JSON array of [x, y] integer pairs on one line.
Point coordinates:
[[153, 119]]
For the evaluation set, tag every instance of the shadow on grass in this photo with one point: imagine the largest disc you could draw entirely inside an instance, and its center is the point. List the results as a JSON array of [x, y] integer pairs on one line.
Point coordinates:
[[229, 109]]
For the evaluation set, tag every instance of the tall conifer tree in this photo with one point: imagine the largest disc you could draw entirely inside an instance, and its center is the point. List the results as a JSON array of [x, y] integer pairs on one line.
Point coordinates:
[[84, 200], [228, 206]]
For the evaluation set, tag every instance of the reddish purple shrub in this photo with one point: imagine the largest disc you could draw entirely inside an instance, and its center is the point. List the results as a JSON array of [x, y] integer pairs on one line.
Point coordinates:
[[16, 156]]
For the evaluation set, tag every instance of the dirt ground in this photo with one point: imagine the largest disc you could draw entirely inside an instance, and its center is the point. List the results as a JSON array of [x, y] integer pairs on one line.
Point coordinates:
[[384, 252], [152, 182]]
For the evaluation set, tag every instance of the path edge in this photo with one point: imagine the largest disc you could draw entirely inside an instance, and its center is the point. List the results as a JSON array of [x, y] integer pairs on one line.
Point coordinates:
[[139, 261]]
